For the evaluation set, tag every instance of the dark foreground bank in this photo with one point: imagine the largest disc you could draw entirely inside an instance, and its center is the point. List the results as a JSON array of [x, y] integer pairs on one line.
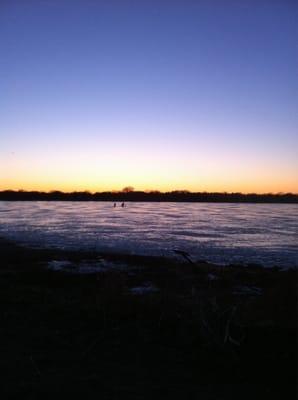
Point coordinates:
[[145, 328]]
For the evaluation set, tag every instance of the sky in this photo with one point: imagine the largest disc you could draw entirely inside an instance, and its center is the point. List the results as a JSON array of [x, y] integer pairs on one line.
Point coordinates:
[[158, 95]]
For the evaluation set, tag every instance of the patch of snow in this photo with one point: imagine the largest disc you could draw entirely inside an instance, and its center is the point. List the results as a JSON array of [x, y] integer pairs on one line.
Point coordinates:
[[250, 290], [83, 267], [139, 290], [56, 265], [212, 277]]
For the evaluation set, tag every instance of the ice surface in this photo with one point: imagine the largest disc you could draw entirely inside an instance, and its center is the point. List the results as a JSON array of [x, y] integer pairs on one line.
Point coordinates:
[[223, 233]]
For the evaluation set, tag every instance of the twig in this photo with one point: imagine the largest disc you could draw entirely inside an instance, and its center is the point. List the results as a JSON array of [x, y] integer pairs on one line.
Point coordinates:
[[35, 366], [227, 330]]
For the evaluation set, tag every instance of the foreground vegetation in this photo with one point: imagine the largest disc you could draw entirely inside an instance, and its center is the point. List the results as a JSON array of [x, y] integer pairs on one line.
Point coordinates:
[[144, 328]]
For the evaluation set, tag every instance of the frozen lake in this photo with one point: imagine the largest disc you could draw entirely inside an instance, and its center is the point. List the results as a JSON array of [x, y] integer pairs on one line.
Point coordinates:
[[222, 233]]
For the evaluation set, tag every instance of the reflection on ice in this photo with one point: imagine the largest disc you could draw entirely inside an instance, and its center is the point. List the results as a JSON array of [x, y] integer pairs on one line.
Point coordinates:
[[223, 233]]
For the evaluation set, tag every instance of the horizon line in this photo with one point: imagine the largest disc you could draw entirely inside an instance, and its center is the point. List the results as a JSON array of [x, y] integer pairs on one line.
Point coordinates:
[[149, 191]]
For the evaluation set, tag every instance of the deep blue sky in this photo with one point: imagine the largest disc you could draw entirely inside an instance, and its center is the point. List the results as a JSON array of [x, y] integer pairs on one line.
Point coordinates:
[[199, 95]]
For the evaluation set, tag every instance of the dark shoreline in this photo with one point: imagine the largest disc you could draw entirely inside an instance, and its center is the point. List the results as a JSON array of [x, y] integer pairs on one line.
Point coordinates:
[[155, 196], [204, 332]]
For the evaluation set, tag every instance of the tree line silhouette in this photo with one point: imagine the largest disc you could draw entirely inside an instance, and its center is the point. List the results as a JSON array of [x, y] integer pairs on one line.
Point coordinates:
[[128, 194]]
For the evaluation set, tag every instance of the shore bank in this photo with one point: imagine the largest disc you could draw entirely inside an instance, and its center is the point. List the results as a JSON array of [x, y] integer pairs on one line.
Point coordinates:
[[134, 327]]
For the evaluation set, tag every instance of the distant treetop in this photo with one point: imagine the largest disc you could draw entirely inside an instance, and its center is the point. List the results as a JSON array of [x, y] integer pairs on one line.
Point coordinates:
[[128, 189]]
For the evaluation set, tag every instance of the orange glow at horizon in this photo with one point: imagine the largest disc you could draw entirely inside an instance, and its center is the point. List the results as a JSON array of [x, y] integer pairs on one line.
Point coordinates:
[[81, 168], [99, 182]]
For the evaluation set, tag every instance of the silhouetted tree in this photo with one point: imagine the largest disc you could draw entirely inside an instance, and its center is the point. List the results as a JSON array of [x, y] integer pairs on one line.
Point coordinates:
[[128, 189]]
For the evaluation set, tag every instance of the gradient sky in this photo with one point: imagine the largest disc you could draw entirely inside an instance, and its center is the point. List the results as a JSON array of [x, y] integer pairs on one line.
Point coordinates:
[[197, 95]]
